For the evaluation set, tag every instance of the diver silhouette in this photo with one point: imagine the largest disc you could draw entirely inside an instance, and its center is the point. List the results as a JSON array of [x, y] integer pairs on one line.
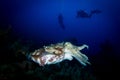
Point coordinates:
[[96, 11], [83, 14], [60, 20]]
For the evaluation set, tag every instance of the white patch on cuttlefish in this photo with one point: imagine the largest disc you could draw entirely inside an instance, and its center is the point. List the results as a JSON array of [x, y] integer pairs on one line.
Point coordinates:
[[38, 61]]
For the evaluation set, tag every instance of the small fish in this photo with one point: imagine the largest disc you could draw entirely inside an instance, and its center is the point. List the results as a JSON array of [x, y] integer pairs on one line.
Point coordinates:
[[56, 53]]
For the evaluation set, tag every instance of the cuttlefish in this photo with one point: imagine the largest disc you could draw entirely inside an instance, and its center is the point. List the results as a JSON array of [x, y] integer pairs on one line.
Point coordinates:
[[56, 53]]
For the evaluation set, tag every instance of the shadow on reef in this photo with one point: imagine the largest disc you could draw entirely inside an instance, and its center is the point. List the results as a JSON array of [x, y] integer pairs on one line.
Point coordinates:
[[5, 39], [106, 63], [10, 46]]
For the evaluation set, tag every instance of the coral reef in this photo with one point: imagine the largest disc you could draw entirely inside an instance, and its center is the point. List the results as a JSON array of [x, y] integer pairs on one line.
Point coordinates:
[[60, 71]]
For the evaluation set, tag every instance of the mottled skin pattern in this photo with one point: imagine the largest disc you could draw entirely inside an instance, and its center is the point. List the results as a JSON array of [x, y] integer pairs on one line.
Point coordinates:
[[55, 48], [55, 53]]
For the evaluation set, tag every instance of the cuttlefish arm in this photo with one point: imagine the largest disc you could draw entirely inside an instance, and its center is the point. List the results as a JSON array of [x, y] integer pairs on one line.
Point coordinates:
[[83, 46], [83, 59], [75, 52]]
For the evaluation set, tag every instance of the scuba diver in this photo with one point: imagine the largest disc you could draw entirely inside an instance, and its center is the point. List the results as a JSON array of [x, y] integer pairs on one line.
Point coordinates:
[[60, 20], [83, 14], [96, 11]]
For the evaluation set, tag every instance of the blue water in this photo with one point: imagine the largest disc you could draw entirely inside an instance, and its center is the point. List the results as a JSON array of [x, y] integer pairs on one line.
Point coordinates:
[[37, 20]]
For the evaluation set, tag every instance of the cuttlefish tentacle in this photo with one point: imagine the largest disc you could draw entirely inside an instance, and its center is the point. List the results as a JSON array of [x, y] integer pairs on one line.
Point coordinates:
[[75, 52], [83, 59], [83, 46]]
